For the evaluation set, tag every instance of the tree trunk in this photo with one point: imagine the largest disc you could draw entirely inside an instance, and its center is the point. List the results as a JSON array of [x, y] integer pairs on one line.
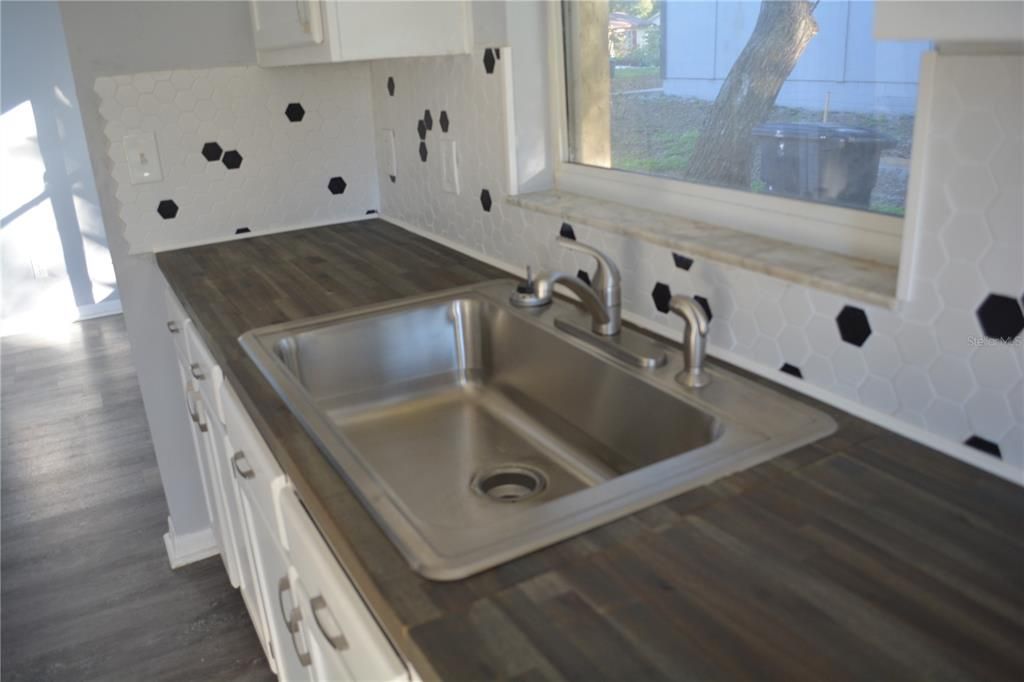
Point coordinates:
[[723, 154]]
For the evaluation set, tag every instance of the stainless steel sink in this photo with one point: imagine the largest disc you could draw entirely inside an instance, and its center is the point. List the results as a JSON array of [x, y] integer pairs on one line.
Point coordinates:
[[476, 432]]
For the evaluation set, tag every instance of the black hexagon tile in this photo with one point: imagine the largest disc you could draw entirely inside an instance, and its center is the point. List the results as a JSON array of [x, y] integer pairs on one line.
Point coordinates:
[[243, 230], [792, 370], [232, 159], [566, 232], [682, 261], [984, 445], [423, 151], [489, 60], [167, 209], [1000, 317], [421, 129], [294, 112], [391, 86], [706, 305], [583, 275], [392, 178], [854, 327], [485, 200], [212, 151], [371, 211], [661, 295], [428, 119], [443, 120], [337, 185]]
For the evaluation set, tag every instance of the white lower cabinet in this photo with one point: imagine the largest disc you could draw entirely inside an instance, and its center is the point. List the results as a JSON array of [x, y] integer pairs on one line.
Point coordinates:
[[345, 642], [310, 619], [285, 628]]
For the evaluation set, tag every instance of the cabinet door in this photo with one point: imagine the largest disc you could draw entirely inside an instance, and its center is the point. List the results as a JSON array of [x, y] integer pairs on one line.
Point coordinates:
[[288, 631], [235, 470], [401, 28], [198, 427], [208, 448], [284, 24], [346, 643]]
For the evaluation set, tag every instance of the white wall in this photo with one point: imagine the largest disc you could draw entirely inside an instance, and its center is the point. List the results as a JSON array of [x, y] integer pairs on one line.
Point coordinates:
[[56, 265], [272, 173], [112, 38]]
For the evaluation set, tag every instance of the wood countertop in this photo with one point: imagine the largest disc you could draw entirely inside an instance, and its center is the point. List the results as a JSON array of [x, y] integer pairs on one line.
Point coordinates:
[[861, 556]]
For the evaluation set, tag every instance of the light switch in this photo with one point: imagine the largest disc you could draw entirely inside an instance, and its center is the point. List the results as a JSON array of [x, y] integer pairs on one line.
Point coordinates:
[[450, 166], [143, 158]]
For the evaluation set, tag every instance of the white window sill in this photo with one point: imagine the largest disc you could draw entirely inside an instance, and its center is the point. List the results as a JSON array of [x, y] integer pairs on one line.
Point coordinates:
[[854, 278]]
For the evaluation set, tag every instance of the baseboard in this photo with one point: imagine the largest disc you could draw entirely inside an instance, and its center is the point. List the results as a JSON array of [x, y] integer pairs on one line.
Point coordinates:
[[184, 549], [915, 433], [101, 309]]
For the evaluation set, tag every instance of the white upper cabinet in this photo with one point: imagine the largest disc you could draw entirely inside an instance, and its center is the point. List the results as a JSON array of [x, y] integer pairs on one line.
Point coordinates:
[[321, 31], [950, 21], [280, 25]]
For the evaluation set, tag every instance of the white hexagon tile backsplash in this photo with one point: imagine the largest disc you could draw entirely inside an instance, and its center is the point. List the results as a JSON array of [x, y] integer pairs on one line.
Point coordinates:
[[242, 150], [949, 363]]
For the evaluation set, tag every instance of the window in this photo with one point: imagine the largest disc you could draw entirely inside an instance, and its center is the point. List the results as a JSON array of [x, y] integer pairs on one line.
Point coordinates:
[[792, 99]]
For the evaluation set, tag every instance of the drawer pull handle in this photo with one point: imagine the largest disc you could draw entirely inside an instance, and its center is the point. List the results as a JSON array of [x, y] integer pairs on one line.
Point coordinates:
[[293, 627], [197, 371], [292, 619], [338, 641], [237, 461], [193, 413], [173, 327]]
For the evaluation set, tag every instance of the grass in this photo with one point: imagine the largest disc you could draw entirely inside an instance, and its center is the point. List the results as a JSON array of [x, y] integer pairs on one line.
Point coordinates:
[[675, 150], [887, 207], [655, 134], [636, 78]]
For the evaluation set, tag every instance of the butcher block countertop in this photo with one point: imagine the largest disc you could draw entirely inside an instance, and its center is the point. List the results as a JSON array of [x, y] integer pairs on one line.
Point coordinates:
[[861, 556]]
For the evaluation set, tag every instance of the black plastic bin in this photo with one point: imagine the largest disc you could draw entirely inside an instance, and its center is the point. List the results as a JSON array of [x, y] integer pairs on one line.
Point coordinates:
[[821, 161]]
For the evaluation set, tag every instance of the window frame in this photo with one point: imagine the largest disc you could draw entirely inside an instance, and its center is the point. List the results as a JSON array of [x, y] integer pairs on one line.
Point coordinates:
[[847, 231]]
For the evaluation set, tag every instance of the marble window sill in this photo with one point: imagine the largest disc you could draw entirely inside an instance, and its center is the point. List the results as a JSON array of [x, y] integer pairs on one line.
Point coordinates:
[[854, 278]]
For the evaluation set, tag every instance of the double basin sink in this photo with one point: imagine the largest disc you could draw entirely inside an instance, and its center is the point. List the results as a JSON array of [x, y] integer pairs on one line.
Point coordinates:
[[475, 431]]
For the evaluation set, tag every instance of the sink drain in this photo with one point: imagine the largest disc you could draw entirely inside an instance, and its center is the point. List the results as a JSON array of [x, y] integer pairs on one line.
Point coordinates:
[[510, 483]]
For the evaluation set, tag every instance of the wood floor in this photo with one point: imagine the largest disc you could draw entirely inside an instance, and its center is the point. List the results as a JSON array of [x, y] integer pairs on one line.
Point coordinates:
[[87, 593]]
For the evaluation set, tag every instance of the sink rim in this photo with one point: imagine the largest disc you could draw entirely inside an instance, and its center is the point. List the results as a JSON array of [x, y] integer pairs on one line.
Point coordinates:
[[738, 445]]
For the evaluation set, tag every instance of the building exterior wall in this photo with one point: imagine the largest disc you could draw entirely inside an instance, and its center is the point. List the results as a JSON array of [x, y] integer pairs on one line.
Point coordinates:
[[843, 61]]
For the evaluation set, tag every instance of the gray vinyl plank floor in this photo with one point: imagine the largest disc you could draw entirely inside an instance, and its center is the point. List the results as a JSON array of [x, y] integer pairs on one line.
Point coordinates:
[[86, 589]]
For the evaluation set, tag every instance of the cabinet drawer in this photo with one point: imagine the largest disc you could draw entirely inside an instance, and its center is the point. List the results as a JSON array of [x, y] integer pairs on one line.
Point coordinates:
[[205, 373], [252, 463], [345, 640], [175, 322]]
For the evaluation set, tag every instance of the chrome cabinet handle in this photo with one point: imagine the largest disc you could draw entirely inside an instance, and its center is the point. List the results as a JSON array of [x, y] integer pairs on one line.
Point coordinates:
[[194, 413], [197, 371], [237, 460], [293, 627], [201, 423], [291, 620], [283, 585], [338, 641], [173, 327]]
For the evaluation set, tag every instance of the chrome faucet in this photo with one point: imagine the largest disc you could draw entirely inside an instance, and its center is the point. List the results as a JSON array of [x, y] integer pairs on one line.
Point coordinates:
[[694, 338], [602, 298]]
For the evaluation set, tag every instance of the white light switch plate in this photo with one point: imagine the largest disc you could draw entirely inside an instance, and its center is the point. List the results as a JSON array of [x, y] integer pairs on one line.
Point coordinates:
[[450, 164], [143, 158]]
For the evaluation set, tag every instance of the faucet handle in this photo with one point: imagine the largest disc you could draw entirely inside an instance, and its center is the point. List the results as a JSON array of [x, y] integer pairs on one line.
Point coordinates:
[[693, 375], [691, 311], [607, 274]]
